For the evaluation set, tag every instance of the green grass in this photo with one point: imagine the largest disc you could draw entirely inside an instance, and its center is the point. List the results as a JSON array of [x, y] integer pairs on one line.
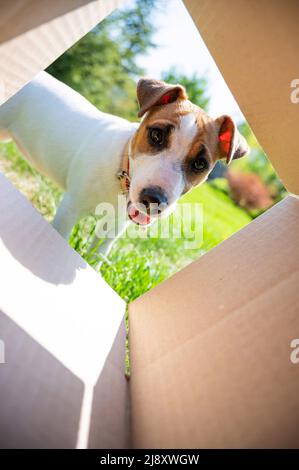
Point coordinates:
[[138, 265], [134, 265], [43, 194]]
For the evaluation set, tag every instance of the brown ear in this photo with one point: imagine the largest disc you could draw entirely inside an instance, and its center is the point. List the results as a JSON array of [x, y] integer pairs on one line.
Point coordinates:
[[232, 144], [152, 92]]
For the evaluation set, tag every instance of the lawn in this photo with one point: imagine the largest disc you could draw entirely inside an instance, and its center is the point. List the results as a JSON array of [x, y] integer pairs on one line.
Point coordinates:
[[135, 265]]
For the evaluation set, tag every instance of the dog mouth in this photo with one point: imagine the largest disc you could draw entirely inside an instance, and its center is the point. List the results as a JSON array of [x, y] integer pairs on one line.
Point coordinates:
[[137, 216]]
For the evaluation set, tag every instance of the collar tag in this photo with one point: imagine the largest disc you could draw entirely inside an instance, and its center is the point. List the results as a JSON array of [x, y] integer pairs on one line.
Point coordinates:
[[122, 174]]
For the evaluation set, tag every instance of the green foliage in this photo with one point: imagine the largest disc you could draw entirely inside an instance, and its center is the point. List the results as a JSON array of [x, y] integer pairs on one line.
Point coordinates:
[[258, 163], [43, 194], [196, 86], [133, 29], [134, 265], [102, 66]]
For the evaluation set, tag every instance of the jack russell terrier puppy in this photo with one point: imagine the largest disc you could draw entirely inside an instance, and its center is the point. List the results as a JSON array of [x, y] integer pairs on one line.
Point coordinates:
[[94, 156]]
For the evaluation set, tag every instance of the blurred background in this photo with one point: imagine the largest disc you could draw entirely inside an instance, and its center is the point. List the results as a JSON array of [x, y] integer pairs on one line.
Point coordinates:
[[156, 38]]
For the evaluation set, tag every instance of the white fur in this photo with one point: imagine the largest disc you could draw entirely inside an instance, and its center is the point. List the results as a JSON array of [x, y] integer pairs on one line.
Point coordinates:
[[164, 169], [69, 140], [81, 148]]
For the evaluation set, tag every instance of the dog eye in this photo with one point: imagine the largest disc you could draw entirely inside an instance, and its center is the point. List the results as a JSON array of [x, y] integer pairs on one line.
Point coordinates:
[[199, 163], [156, 136]]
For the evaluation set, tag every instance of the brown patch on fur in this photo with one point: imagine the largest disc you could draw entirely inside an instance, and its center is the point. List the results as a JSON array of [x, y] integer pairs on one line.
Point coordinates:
[[207, 136], [151, 92], [169, 114]]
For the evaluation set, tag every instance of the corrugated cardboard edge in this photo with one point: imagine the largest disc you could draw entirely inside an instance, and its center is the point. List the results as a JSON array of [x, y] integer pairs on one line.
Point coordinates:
[[34, 38], [255, 46], [210, 347], [62, 384]]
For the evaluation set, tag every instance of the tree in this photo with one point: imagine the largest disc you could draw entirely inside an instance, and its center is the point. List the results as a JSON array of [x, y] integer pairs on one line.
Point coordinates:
[[196, 86], [102, 65]]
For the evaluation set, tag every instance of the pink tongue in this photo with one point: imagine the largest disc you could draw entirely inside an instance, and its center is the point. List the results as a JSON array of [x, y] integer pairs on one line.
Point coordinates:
[[137, 216]]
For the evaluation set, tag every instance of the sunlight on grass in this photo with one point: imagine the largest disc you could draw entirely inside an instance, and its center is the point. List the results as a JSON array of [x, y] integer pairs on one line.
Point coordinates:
[[138, 265], [134, 265]]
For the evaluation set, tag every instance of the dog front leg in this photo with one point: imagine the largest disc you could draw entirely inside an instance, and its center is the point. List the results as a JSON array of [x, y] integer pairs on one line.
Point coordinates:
[[106, 245], [66, 217], [103, 246], [99, 250]]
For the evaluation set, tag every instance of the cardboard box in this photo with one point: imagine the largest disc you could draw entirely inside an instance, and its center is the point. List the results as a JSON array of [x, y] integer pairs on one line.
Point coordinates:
[[255, 46], [34, 33], [64, 333], [210, 348]]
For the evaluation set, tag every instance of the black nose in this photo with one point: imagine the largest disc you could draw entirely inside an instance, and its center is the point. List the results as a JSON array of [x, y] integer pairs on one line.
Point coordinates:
[[153, 195]]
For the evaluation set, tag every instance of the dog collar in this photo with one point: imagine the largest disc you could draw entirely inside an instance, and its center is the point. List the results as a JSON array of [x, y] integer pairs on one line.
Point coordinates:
[[124, 174]]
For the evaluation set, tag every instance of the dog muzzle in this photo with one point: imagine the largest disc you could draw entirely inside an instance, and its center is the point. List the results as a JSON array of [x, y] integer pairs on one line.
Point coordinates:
[[137, 216]]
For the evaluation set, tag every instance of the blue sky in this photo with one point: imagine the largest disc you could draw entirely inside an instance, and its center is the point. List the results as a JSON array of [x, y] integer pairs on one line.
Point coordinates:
[[181, 45]]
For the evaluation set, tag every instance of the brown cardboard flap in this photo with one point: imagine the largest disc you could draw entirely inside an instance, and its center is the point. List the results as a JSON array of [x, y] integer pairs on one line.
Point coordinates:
[[255, 45], [32, 36], [64, 334], [20, 16], [40, 398], [210, 347]]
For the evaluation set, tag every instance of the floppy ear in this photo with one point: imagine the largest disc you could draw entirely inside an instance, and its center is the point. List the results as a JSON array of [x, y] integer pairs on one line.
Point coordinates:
[[232, 144], [152, 92]]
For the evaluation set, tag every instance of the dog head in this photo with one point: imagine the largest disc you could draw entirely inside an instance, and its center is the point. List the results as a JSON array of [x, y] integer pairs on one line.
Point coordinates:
[[175, 148]]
